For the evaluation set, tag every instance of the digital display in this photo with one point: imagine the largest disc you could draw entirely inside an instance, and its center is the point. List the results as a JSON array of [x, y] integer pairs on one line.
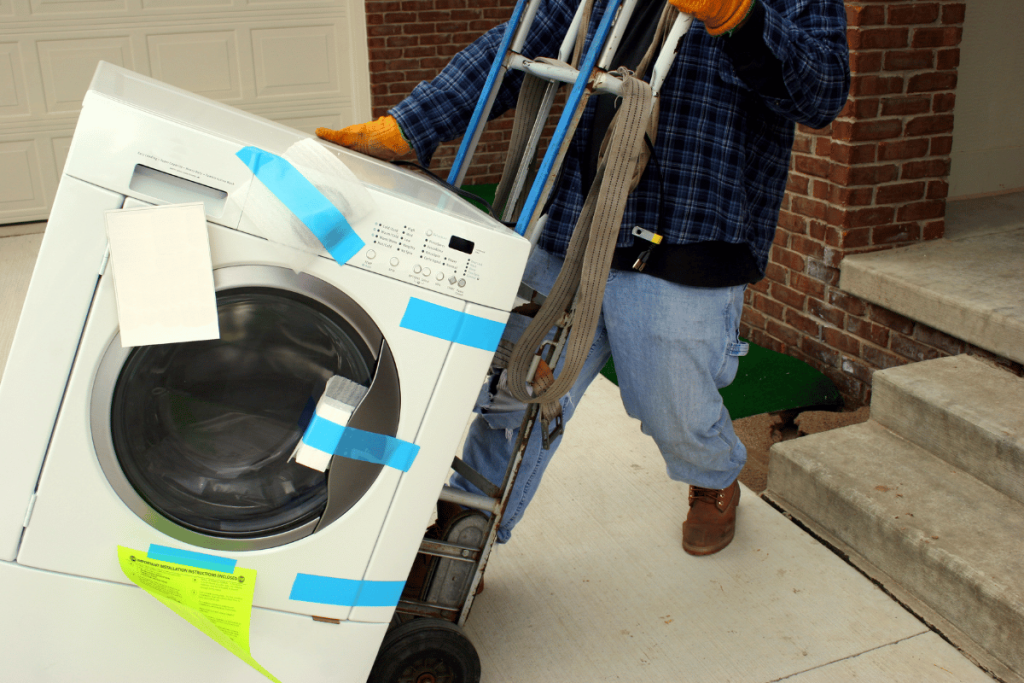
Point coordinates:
[[459, 244]]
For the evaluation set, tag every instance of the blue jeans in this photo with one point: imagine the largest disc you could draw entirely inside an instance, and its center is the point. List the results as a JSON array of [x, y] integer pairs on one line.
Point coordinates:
[[674, 347]]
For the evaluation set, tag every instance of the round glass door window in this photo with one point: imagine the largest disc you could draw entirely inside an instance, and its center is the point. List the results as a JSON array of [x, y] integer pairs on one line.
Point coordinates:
[[204, 431]]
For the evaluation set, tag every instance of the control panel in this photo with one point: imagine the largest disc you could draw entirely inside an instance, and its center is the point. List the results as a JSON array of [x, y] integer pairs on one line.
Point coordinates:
[[456, 261]]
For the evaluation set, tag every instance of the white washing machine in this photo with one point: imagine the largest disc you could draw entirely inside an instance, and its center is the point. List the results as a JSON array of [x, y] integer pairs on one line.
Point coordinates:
[[186, 446]]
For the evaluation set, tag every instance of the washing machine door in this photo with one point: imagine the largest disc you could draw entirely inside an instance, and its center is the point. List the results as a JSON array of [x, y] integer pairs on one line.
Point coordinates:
[[197, 437]]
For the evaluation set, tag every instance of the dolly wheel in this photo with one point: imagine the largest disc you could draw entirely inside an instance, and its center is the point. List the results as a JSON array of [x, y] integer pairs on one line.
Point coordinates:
[[426, 651]]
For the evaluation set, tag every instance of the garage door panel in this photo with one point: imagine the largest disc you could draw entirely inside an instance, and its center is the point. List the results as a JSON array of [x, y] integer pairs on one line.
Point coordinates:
[[68, 66], [52, 7], [204, 63], [21, 183], [13, 92]]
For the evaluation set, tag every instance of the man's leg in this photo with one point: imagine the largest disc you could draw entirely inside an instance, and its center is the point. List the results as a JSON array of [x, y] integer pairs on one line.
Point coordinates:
[[674, 348], [494, 431]]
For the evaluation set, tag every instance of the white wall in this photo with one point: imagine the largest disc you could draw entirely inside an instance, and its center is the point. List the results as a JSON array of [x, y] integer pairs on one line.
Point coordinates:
[[988, 126]]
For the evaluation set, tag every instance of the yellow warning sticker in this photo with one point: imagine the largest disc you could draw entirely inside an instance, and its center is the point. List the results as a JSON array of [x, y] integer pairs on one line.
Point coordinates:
[[217, 603]]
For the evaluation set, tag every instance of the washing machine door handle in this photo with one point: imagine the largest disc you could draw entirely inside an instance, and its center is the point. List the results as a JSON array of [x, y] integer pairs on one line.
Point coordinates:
[[378, 412]]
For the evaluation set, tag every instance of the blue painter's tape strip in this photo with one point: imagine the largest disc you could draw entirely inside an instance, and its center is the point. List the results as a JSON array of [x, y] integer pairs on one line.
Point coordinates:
[[190, 558], [454, 326], [356, 444], [305, 201], [327, 590]]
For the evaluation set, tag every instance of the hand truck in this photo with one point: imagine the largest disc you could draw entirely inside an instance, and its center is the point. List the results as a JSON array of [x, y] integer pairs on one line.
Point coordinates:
[[425, 642]]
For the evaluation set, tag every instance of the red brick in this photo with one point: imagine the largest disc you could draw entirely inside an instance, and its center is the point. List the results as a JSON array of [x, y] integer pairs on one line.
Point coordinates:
[[902, 149], [861, 15], [847, 302], [937, 189], [894, 321], [802, 144], [820, 189], [804, 284], [879, 358], [864, 217], [934, 208], [893, 234], [866, 62], [819, 270], [752, 318], [784, 333], [819, 352], [792, 222], [775, 273], [917, 13], [862, 175], [934, 168], [930, 125], [942, 146], [853, 154], [866, 86], [953, 13], [856, 369], [852, 239], [817, 230], [900, 193], [789, 297], [764, 340], [937, 37], [823, 146], [877, 38], [789, 259], [846, 196], [841, 341], [378, 7], [815, 166], [940, 340], [932, 81], [909, 60], [903, 106], [802, 323], [948, 59], [797, 183], [933, 230], [943, 102], [769, 307], [809, 207], [824, 312], [911, 349]]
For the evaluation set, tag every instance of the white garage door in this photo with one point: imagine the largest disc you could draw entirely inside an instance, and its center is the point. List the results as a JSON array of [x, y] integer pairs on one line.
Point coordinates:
[[300, 62]]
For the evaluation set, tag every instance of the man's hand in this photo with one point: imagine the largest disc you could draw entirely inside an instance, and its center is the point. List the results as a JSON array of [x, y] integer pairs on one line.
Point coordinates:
[[719, 16], [381, 138]]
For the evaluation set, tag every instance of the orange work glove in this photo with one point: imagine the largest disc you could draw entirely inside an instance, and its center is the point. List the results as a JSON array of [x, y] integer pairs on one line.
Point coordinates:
[[719, 16], [381, 138]]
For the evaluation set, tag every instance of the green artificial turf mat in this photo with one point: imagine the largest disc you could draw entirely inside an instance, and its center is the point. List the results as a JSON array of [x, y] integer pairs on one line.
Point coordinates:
[[768, 381], [485, 192]]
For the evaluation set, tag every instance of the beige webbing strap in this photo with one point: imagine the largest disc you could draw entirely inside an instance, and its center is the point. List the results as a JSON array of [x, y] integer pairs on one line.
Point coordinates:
[[582, 280]]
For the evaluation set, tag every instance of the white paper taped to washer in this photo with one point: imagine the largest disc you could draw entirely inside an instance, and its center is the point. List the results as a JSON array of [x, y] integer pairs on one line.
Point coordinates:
[[163, 274], [264, 214]]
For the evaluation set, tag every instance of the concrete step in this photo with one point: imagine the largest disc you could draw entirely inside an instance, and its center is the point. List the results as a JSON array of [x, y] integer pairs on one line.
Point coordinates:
[[961, 409], [968, 288], [923, 527]]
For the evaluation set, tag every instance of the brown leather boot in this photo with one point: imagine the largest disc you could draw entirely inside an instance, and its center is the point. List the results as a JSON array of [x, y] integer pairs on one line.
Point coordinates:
[[711, 522]]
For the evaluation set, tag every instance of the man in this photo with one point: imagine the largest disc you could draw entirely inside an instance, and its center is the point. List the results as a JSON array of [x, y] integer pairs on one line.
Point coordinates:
[[745, 73]]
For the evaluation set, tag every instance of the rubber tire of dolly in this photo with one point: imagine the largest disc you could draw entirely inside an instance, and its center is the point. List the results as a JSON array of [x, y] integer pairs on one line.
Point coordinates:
[[426, 640]]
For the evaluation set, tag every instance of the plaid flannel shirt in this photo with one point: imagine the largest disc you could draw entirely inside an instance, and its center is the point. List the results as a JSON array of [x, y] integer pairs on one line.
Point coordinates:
[[723, 148]]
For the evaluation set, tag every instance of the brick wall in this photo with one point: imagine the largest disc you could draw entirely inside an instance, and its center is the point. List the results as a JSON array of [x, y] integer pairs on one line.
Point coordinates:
[[411, 41], [875, 179]]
